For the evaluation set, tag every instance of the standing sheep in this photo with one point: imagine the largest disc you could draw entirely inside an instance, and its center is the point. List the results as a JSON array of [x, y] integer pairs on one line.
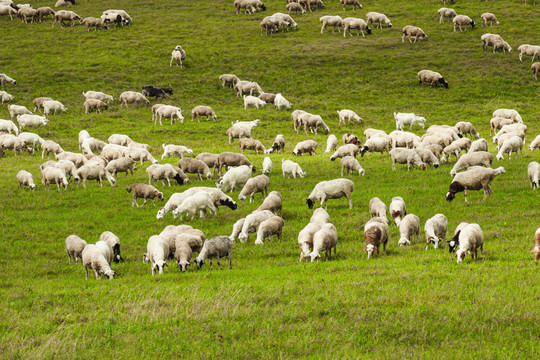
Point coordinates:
[[203, 111], [328, 20], [379, 18], [489, 17], [331, 143], [217, 247], [258, 184], [157, 252], [397, 209], [415, 32], [267, 166], [178, 55], [268, 228], [529, 50], [325, 240], [463, 20], [431, 77], [24, 178], [409, 226], [351, 164], [306, 146], [435, 229], [475, 178], [536, 250], [74, 247], [377, 208], [533, 171], [348, 115], [535, 69], [140, 190], [93, 258], [470, 239], [332, 189], [273, 202], [375, 233]]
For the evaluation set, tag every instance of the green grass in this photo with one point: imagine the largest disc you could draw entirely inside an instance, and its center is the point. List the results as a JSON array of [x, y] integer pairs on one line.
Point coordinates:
[[408, 303]]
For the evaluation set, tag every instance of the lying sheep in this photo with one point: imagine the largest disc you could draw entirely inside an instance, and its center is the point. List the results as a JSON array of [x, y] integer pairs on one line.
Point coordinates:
[[355, 23], [24, 178], [157, 251], [435, 229], [268, 228], [250, 87], [428, 157], [377, 208], [251, 144], [431, 77], [397, 209], [229, 79], [4, 96], [74, 247], [536, 248], [375, 233], [529, 50], [291, 168], [513, 144], [470, 239], [95, 172], [163, 172], [91, 104], [331, 143], [178, 56], [66, 15], [351, 164], [332, 189], [93, 258], [329, 20], [306, 146], [267, 166], [258, 184], [217, 247], [533, 170], [472, 159], [199, 202], [463, 20], [409, 226], [406, 156], [194, 166], [446, 13], [415, 32], [475, 178], [345, 150], [325, 239], [252, 222], [132, 97], [278, 146], [178, 150], [273, 202], [379, 18], [376, 144], [228, 159], [348, 115]]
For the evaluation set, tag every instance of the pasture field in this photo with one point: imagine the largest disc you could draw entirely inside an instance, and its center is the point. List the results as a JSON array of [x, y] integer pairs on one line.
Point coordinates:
[[407, 303]]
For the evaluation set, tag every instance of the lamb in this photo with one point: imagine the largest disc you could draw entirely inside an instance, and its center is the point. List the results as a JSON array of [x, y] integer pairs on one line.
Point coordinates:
[[237, 228], [329, 20], [351, 164], [376, 144], [470, 239], [236, 176], [95, 172], [178, 150], [331, 143], [229, 79], [435, 229], [250, 100], [533, 171], [314, 122], [95, 23], [351, 139], [93, 258], [406, 156], [489, 39], [278, 146], [140, 190], [4, 79], [296, 7], [508, 114], [114, 244], [9, 126], [409, 226], [475, 178], [463, 20], [90, 104], [410, 119], [236, 132], [168, 111], [251, 144], [98, 95], [66, 15], [291, 168], [348, 115], [50, 146], [324, 239], [132, 97], [199, 202], [268, 228], [252, 222], [178, 56], [332, 189], [4, 96], [355, 23], [24, 178], [74, 247], [250, 87], [217, 247], [273, 202], [306, 146], [431, 77], [397, 209], [182, 254], [534, 67], [15, 110], [163, 172], [502, 46], [203, 111], [472, 159], [139, 154], [536, 249], [529, 50], [489, 17], [428, 157], [415, 32], [513, 144], [376, 17], [446, 13], [258, 184], [9, 141], [267, 166], [281, 103], [228, 159], [157, 251], [194, 166], [375, 233], [52, 175], [211, 160], [535, 143]]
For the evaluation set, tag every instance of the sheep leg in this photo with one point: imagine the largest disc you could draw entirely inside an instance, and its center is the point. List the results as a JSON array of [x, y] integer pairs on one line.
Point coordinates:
[[211, 266], [229, 257], [144, 201], [465, 193], [350, 200]]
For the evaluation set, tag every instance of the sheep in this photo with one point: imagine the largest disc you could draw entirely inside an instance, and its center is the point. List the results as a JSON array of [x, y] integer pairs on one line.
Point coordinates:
[[287, 19], [415, 32], [182, 254], [305, 239], [329, 20], [140, 190], [278, 146], [235, 176], [410, 119], [319, 217], [157, 251], [31, 120], [332, 189], [251, 144], [306, 146], [7, 10], [446, 13], [95, 172], [66, 15], [194, 237], [236, 132], [267, 98], [78, 159], [53, 105], [268, 228], [351, 164], [435, 229], [178, 150], [4, 96], [163, 172], [502, 46], [228, 159], [9, 126], [202, 110], [294, 6], [199, 202], [93, 258], [229, 79], [52, 175], [508, 114], [194, 166], [355, 23], [123, 164], [267, 166], [258, 184], [478, 145], [534, 67], [348, 115], [124, 19], [281, 103], [351, 139], [291, 168], [248, 125], [497, 123], [43, 11], [535, 143], [428, 157], [513, 144], [132, 97], [24, 178], [489, 17], [397, 209], [90, 104], [448, 151], [237, 228], [168, 111], [243, 86], [27, 12], [470, 239], [211, 160], [489, 39], [15, 110], [98, 95], [375, 233], [4, 79], [533, 171], [475, 178], [379, 18], [50, 146], [516, 127], [314, 122], [95, 160], [409, 226], [273, 24], [273, 202], [465, 127], [253, 101], [377, 208], [331, 143], [431, 77], [114, 244], [252, 222], [178, 56], [529, 50], [8, 141], [536, 250], [403, 139], [110, 153], [139, 154], [296, 119], [91, 145], [376, 144], [94, 22], [436, 149], [406, 156], [74, 247], [463, 20], [472, 159], [250, 6], [60, 3], [31, 139], [324, 239], [216, 247], [355, 4]]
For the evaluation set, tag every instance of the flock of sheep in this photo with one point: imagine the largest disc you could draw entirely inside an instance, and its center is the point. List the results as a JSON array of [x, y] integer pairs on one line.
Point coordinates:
[[100, 160]]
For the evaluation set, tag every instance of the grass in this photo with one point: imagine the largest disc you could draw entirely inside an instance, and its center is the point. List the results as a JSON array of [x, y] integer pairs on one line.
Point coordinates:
[[408, 303]]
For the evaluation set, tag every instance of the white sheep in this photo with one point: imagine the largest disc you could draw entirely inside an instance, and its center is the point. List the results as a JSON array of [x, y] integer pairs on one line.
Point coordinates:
[[305, 239], [183, 253], [415, 32], [90, 104], [320, 217], [472, 159], [475, 178], [377, 208], [329, 20], [163, 172], [375, 233], [376, 144], [470, 239], [178, 150], [228, 159], [403, 119], [66, 15], [290, 168], [533, 170], [229, 79], [406, 156], [217, 247], [24, 178], [31, 139], [513, 144], [446, 13], [95, 172], [351, 164], [535, 69], [9, 126], [234, 177], [15, 110], [296, 7], [529, 50], [332, 189], [306, 146], [465, 127], [254, 101], [278, 146], [397, 209], [211, 160], [50, 146], [243, 86], [463, 20], [355, 23], [428, 157], [348, 115], [313, 122], [52, 175], [409, 226], [132, 97], [325, 239], [508, 114], [267, 166], [345, 150], [8, 141], [31, 120], [251, 144], [535, 144], [4, 79], [237, 228], [281, 103], [268, 228], [331, 143], [178, 56], [252, 222], [91, 145], [431, 77], [54, 106], [379, 18], [355, 4], [139, 154], [98, 95], [489, 17], [435, 229], [478, 145], [194, 166], [202, 110], [168, 111], [257, 184], [92, 258], [273, 202], [237, 132], [4, 96], [74, 247], [157, 252], [199, 202]]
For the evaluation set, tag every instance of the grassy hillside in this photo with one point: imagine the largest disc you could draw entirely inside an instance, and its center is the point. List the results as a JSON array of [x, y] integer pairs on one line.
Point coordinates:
[[407, 303]]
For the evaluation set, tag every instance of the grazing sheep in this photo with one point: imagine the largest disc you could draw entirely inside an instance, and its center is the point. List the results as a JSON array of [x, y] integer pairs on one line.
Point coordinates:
[[9, 126], [536, 249], [533, 171], [236, 132], [478, 145], [140, 190], [306, 146], [305, 239], [502, 46], [351, 164], [281, 103], [431, 77], [66, 15], [375, 233], [91, 145], [250, 87], [529, 50], [332, 189], [92, 258], [114, 244], [252, 222], [291, 168], [325, 239], [489, 17], [74, 247], [410, 119], [15, 110], [435, 229], [351, 139], [535, 143], [228, 159], [219, 198], [475, 178], [97, 95], [178, 150], [7, 10], [489, 39], [250, 100], [168, 111], [50, 146], [8, 141], [287, 19], [132, 97], [319, 217], [163, 172], [216, 247], [448, 151], [508, 114], [470, 239], [377, 208], [194, 166], [78, 159], [237, 228], [379, 18], [273, 24], [267, 98], [31, 120], [4, 79], [376, 144], [331, 143], [513, 144], [465, 127], [296, 7], [24, 178], [313, 122], [211, 160], [409, 226], [428, 157], [534, 67], [53, 105], [355, 4], [355, 23], [235, 176], [397, 209], [139, 154], [463, 20], [472, 159], [60, 3], [157, 251], [38, 103], [329, 20], [4, 96], [268, 228], [446, 13], [95, 23], [202, 110], [348, 115], [415, 32], [251, 144], [267, 166], [406, 156], [27, 12], [229, 79], [52, 175], [278, 146], [404, 139], [90, 104], [198, 202], [178, 56], [95, 172], [182, 253], [273, 202], [258, 184]]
